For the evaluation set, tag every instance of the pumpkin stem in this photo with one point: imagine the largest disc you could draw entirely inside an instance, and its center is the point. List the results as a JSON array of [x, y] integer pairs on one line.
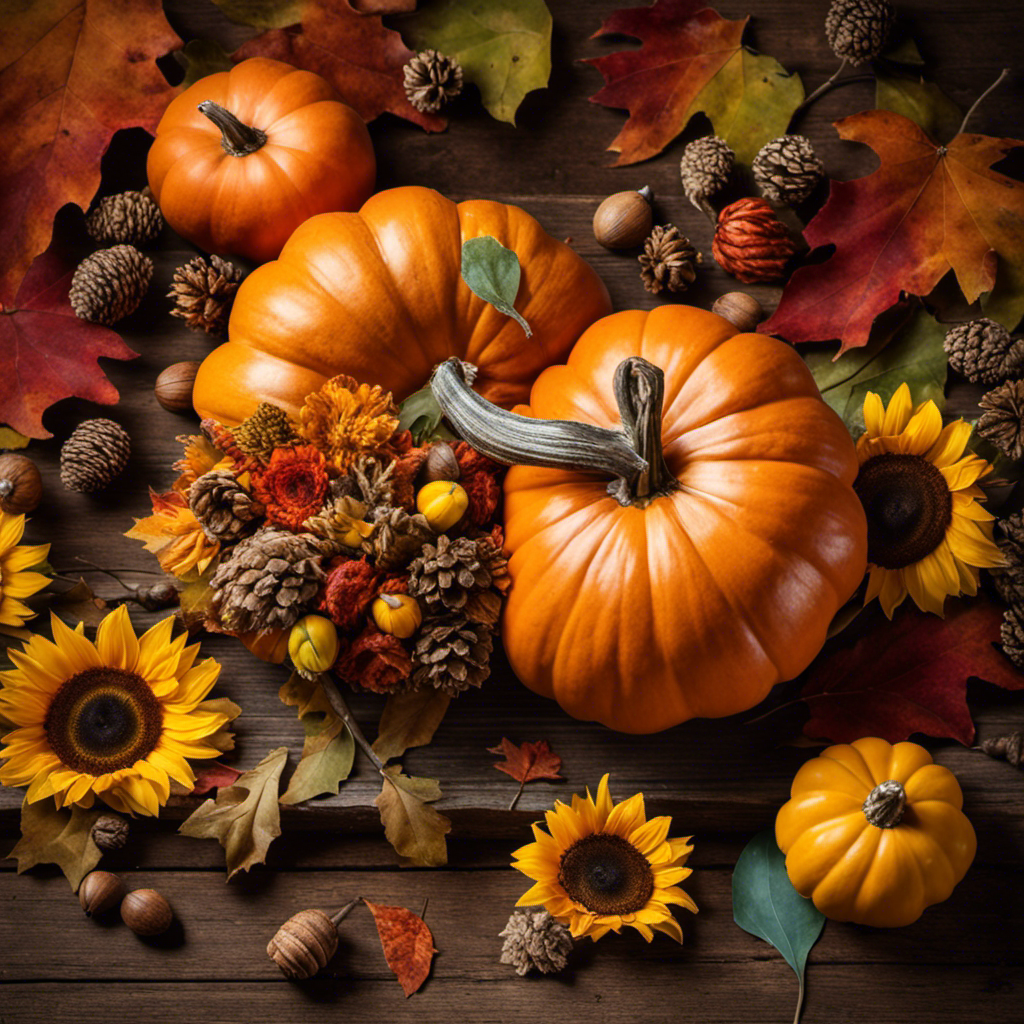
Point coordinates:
[[632, 455], [390, 600], [885, 804], [237, 138]]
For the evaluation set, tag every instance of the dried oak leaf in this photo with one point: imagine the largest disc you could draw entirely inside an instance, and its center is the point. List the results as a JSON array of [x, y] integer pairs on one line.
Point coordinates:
[[407, 943], [529, 761], [71, 74], [692, 60], [215, 776], [411, 825], [61, 837], [244, 818], [928, 209], [361, 58], [909, 675], [46, 352]]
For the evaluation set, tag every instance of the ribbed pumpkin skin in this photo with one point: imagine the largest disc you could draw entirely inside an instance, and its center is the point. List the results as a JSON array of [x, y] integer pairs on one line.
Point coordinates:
[[318, 157], [855, 871], [641, 618], [379, 295]]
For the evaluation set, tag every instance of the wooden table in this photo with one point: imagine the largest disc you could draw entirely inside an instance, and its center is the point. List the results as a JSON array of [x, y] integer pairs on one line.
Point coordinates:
[[721, 780]]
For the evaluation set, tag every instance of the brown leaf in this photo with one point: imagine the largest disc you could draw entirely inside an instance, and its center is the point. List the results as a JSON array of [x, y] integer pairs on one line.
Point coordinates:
[[244, 818], [79, 604], [64, 838], [407, 943], [223, 739], [71, 74], [384, 6], [361, 58], [409, 720], [529, 761], [46, 352], [215, 776], [411, 825]]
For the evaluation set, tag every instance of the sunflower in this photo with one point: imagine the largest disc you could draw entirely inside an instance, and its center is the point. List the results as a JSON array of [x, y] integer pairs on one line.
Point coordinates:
[[603, 866], [114, 719], [16, 581], [927, 534]]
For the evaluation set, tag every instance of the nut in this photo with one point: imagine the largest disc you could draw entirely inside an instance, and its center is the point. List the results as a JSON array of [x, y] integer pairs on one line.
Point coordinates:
[[110, 832], [100, 891], [624, 219], [146, 912], [743, 311], [20, 485], [304, 944], [173, 388], [441, 464]]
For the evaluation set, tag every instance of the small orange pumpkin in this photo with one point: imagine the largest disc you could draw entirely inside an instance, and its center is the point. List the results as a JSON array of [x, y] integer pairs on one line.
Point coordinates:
[[243, 157]]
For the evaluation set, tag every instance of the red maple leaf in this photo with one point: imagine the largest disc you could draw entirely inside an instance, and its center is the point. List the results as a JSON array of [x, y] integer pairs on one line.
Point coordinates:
[[214, 776], [407, 943], [47, 353], [526, 763], [909, 675]]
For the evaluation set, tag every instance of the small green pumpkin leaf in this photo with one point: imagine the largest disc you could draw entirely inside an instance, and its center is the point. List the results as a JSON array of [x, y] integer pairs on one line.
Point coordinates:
[[492, 272], [421, 416], [765, 904]]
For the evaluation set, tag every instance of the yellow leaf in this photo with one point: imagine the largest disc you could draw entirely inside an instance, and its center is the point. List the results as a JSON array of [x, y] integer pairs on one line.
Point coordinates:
[[409, 720], [411, 825], [64, 838]]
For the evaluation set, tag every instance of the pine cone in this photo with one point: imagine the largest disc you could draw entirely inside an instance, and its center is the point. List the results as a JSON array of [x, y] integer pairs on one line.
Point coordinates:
[[431, 80], [203, 291], [787, 169], [397, 537], [129, 218], [223, 507], [705, 168], [535, 941], [1002, 422], [451, 654], [110, 284], [751, 243], [485, 605], [266, 429], [96, 452], [371, 480], [1012, 635], [857, 29], [669, 261], [983, 351], [447, 572], [1009, 580], [267, 582], [1009, 747]]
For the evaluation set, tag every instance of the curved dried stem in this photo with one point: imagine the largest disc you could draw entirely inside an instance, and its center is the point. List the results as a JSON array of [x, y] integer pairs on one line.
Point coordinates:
[[977, 102]]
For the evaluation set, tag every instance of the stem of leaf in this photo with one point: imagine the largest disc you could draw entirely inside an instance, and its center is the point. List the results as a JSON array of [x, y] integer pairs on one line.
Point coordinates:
[[977, 102], [833, 83], [341, 709], [799, 1002], [345, 911], [519, 793]]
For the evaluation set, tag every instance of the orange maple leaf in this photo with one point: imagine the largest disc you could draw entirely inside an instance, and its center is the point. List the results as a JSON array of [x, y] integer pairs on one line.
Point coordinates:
[[407, 942], [72, 72], [526, 763], [928, 209]]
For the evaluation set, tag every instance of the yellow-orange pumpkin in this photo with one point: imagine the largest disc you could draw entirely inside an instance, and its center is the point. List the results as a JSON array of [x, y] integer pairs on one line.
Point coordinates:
[[379, 295], [695, 598]]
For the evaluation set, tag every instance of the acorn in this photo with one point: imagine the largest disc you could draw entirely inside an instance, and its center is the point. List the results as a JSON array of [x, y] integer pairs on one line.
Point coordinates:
[[304, 943], [743, 311], [441, 464], [20, 485], [173, 388], [624, 219], [146, 912], [100, 891]]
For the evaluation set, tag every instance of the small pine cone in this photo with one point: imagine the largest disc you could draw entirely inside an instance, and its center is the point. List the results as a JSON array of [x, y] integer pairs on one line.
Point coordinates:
[[109, 832], [751, 243], [669, 261], [203, 291], [431, 80], [447, 572], [397, 537], [485, 605], [223, 507], [371, 480], [1009, 585], [857, 29], [267, 582], [451, 654], [1002, 422], [129, 218], [96, 452], [787, 169], [705, 168], [1012, 635], [535, 941], [983, 351], [1009, 748], [1010, 539], [264, 430], [110, 284]]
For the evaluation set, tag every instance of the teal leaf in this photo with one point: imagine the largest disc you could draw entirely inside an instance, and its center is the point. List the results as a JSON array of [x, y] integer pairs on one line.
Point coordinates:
[[492, 272]]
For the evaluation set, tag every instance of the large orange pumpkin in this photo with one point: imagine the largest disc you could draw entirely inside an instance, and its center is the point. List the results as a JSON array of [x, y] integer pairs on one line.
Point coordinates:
[[712, 570], [243, 157], [379, 295]]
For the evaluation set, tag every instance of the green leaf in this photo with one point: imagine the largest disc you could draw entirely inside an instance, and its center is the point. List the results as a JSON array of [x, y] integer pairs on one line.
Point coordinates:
[[492, 273], [749, 102], [914, 354], [504, 46], [202, 57], [905, 52], [421, 416], [411, 825], [409, 720], [765, 904], [923, 102], [64, 838], [263, 14], [11, 439]]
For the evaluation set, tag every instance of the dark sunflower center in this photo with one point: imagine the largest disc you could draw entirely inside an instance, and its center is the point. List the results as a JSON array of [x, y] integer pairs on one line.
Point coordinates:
[[606, 874], [908, 506], [102, 720]]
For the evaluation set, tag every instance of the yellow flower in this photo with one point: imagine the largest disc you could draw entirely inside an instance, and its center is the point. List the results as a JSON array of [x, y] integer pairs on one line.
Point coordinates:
[[604, 866], [114, 719], [345, 418], [927, 534], [16, 581], [176, 537]]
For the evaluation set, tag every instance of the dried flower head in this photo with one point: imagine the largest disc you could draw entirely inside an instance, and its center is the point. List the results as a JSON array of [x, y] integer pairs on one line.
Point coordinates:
[[375, 661], [351, 585], [293, 487]]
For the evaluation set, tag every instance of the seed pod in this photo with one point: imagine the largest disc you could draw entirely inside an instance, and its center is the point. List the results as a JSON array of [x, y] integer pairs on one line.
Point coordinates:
[[304, 944], [441, 464], [146, 912], [624, 219], [743, 311], [173, 388], [100, 891], [20, 485]]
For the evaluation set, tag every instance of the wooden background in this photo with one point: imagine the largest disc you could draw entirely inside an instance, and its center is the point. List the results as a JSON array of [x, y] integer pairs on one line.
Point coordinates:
[[721, 780]]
